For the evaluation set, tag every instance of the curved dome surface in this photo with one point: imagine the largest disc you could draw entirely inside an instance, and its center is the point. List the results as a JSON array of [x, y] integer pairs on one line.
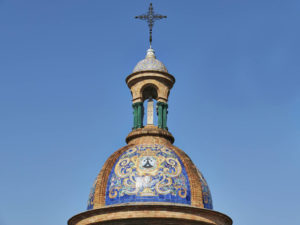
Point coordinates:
[[150, 63], [150, 173]]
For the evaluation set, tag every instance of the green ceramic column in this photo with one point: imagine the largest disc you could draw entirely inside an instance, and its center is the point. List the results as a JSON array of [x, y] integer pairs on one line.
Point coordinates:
[[159, 108], [134, 106], [165, 115], [140, 114]]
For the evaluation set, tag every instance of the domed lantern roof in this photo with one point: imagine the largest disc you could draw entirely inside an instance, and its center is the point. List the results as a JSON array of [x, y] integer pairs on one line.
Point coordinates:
[[150, 63]]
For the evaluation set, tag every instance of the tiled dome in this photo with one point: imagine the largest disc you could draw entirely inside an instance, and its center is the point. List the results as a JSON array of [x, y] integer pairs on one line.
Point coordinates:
[[155, 173], [150, 63]]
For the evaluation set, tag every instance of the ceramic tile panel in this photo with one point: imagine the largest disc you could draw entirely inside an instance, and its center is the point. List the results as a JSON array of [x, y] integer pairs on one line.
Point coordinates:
[[148, 173], [92, 196]]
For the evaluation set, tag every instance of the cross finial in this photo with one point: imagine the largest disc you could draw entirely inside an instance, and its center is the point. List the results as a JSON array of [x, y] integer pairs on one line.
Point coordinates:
[[150, 17]]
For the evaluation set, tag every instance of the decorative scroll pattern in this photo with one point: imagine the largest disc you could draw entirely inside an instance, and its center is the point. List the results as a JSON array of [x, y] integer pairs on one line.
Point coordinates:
[[207, 199], [149, 173]]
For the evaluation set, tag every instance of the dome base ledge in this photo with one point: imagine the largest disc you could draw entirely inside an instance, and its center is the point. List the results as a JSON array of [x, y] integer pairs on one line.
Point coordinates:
[[151, 213]]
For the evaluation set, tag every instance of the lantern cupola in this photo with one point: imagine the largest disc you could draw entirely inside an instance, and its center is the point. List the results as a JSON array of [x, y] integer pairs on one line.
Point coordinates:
[[150, 80]]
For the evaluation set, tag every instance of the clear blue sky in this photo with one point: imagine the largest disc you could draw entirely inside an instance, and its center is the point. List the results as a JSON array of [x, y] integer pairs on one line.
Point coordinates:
[[65, 107]]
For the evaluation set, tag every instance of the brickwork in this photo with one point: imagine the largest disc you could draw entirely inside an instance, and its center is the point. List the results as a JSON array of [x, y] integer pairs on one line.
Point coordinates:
[[150, 214], [150, 134], [102, 179], [162, 82], [196, 191]]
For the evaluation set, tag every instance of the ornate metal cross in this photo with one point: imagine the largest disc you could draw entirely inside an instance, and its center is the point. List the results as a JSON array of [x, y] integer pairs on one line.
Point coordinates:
[[150, 17]]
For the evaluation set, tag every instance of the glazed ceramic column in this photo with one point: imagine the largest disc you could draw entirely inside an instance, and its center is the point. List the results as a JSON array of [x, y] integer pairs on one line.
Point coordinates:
[[165, 115], [134, 106], [162, 111], [138, 115], [159, 109]]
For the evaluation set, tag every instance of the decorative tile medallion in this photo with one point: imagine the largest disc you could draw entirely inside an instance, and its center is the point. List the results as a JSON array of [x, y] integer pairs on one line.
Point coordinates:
[[207, 199], [148, 173]]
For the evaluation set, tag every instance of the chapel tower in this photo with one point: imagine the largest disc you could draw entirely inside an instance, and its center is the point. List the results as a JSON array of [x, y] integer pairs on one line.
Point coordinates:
[[150, 181]]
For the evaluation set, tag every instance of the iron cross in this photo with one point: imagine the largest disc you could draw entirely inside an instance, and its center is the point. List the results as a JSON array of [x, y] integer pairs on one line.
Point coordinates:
[[150, 17]]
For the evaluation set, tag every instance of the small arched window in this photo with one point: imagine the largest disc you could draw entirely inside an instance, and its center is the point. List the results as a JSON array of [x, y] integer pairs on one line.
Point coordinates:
[[149, 91]]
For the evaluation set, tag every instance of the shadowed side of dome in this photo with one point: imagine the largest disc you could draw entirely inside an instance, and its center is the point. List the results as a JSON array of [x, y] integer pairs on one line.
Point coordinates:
[[150, 63], [206, 195]]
